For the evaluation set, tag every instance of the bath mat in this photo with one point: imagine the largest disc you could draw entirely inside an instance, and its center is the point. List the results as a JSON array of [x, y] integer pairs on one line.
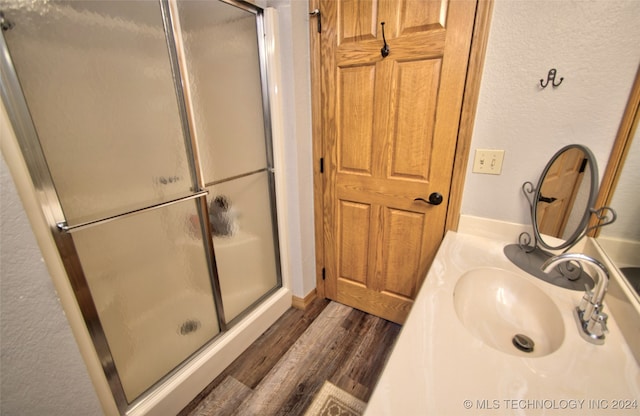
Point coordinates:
[[333, 401]]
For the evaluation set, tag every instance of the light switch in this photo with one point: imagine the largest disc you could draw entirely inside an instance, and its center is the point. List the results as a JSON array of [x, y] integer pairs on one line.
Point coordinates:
[[488, 161]]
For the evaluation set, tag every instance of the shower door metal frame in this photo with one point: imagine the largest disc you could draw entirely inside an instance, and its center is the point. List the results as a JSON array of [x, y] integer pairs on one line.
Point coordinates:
[[193, 160], [258, 12], [29, 143]]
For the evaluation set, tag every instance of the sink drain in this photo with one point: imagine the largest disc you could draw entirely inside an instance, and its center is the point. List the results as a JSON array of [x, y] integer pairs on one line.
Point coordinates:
[[523, 342]]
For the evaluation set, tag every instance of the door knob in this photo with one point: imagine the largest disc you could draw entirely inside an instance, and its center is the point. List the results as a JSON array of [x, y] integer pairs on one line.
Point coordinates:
[[434, 199]]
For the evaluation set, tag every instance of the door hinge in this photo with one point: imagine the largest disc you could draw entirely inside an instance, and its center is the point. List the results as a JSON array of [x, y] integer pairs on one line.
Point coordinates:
[[321, 165], [583, 166], [324, 273], [316, 13]]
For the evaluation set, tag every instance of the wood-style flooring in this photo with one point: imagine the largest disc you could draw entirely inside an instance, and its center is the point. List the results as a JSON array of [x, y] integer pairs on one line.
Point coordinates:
[[281, 372]]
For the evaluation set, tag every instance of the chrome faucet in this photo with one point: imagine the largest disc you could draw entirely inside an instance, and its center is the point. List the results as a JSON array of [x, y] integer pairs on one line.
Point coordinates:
[[589, 314]]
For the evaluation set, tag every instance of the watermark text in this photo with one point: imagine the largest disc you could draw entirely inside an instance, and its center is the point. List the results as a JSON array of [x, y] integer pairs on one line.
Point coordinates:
[[551, 404]]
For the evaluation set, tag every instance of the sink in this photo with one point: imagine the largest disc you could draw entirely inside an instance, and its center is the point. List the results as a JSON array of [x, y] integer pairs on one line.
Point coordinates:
[[460, 330], [508, 313]]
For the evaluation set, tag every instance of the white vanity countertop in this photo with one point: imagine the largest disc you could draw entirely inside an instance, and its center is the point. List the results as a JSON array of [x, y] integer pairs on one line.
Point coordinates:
[[439, 368]]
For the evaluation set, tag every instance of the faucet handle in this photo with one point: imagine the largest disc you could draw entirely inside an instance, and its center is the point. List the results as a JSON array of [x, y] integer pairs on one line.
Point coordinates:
[[586, 299], [598, 325], [602, 319]]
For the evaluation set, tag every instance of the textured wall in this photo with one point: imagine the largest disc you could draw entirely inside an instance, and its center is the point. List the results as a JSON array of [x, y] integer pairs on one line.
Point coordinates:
[[42, 370], [625, 199], [594, 46]]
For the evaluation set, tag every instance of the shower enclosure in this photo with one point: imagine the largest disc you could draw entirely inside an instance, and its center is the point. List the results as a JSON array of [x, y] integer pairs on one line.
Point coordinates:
[[146, 129]]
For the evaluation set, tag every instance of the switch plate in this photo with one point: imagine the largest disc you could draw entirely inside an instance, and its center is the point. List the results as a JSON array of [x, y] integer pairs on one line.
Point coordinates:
[[488, 161]]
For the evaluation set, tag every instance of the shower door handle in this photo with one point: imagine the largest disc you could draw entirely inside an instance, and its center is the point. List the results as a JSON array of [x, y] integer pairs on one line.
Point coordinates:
[[70, 228]]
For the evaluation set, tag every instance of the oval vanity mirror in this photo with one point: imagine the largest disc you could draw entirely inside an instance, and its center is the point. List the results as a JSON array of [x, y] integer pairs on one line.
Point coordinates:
[[561, 206], [564, 196]]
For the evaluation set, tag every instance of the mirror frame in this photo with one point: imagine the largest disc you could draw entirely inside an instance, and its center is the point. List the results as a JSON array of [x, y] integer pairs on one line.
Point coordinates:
[[593, 193]]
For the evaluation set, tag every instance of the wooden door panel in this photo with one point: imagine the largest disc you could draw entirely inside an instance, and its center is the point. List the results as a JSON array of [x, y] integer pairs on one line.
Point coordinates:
[[421, 36], [419, 45], [358, 21], [561, 183], [355, 133], [378, 191], [420, 15], [384, 304], [353, 243], [550, 217], [416, 88], [402, 252]]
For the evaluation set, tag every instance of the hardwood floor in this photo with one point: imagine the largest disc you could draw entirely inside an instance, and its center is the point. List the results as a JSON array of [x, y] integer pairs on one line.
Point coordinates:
[[280, 373]]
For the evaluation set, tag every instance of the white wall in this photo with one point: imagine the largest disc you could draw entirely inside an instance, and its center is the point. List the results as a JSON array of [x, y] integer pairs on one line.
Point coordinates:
[[594, 46], [42, 370], [293, 18]]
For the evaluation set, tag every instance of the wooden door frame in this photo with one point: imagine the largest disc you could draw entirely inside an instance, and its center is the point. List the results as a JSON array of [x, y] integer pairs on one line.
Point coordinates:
[[463, 147], [621, 146]]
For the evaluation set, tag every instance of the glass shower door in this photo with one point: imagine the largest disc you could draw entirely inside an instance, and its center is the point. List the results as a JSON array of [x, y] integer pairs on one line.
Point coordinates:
[[149, 279], [99, 86], [233, 136]]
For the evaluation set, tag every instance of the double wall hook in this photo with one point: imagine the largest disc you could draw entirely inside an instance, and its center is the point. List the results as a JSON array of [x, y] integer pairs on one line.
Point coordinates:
[[385, 49], [551, 78]]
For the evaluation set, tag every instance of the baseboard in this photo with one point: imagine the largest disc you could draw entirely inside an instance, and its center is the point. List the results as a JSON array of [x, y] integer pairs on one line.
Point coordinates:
[[303, 303]]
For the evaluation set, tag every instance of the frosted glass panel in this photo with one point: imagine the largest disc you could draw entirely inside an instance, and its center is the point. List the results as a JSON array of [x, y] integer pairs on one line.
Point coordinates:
[[149, 279], [240, 216], [221, 50], [97, 79]]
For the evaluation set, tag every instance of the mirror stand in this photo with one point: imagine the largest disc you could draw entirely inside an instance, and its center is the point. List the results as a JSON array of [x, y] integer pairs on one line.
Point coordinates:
[[530, 257], [562, 199]]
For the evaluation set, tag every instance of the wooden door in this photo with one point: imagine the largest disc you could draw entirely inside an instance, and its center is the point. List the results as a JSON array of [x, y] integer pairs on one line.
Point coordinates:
[[389, 127], [558, 192]]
